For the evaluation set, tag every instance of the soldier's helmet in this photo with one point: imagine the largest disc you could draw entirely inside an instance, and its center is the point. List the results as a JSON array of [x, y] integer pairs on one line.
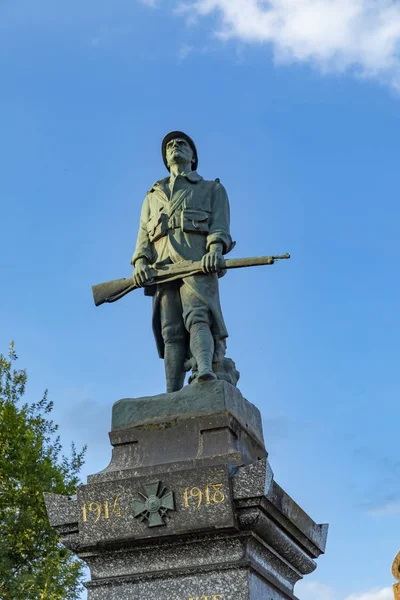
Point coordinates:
[[179, 134]]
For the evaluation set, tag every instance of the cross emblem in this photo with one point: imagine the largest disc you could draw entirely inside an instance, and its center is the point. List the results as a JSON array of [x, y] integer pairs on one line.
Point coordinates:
[[155, 502]]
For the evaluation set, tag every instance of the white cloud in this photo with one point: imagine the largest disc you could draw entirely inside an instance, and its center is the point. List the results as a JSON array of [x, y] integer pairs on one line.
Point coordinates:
[[362, 36], [184, 51], [313, 590], [152, 3], [384, 594], [389, 509]]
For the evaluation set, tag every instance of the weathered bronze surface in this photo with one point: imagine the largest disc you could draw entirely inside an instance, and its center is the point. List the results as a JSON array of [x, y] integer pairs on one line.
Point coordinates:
[[184, 233]]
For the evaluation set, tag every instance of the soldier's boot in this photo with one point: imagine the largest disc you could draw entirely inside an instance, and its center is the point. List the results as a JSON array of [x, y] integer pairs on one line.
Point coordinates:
[[174, 359], [202, 348]]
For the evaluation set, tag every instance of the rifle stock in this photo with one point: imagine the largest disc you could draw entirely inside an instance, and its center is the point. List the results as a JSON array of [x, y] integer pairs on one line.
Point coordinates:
[[117, 288], [111, 291]]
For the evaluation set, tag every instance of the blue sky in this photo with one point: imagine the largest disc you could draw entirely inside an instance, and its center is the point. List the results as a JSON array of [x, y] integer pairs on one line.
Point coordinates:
[[295, 106]]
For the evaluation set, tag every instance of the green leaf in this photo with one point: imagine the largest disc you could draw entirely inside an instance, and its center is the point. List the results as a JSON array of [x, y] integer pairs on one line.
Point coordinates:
[[33, 564]]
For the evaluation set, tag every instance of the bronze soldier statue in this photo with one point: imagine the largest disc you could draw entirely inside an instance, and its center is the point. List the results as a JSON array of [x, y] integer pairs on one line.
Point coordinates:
[[184, 217], [183, 236]]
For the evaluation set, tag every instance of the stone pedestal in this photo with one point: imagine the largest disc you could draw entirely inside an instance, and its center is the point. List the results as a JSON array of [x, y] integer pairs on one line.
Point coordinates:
[[188, 508]]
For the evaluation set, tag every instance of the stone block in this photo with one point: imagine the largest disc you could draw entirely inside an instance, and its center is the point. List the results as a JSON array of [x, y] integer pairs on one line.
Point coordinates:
[[198, 400]]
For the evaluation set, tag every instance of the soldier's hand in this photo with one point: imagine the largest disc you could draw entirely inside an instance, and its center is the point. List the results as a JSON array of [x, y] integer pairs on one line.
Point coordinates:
[[212, 261], [142, 272]]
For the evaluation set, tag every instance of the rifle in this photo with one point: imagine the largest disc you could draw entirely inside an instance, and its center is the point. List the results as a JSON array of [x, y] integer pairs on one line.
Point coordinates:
[[111, 291]]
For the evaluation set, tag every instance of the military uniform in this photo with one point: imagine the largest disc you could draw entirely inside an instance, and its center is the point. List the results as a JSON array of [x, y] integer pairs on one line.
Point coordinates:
[[180, 222]]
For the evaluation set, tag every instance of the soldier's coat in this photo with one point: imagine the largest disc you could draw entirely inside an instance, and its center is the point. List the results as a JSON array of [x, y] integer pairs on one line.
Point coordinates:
[[181, 224]]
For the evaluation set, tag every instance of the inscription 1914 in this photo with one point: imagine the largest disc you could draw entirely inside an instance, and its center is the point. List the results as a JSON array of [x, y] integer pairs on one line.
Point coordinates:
[[99, 510]]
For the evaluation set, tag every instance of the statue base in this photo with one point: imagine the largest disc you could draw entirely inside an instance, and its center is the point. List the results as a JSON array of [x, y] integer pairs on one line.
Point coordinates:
[[188, 508]]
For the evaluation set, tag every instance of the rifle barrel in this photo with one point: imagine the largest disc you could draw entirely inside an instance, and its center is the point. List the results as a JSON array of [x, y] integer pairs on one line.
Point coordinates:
[[236, 263]]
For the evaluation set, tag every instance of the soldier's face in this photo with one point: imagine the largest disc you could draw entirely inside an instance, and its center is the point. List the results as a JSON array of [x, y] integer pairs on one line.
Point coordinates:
[[179, 151]]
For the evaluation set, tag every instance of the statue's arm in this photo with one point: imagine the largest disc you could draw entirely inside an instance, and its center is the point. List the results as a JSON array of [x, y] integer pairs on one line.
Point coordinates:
[[219, 232], [144, 248]]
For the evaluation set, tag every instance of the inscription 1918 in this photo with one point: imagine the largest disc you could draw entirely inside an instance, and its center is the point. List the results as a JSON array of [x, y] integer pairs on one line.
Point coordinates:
[[211, 494]]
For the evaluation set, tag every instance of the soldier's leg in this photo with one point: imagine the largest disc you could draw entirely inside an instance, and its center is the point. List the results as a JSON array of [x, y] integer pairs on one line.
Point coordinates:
[[197, 319], [174, 336]]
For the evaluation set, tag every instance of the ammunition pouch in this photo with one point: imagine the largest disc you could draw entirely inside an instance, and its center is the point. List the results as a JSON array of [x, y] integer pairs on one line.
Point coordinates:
[[195, 221], [157, 227]]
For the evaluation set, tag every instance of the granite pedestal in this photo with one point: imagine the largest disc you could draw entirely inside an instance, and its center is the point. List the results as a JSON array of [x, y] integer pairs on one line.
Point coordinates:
[[188, 508]]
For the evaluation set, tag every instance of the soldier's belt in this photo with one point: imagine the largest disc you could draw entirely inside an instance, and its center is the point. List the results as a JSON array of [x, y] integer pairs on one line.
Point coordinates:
[[174, 222], [189, 220]]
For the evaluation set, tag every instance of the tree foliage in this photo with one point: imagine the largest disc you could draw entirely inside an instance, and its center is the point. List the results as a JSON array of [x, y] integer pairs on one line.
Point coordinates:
[[33, 564]]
